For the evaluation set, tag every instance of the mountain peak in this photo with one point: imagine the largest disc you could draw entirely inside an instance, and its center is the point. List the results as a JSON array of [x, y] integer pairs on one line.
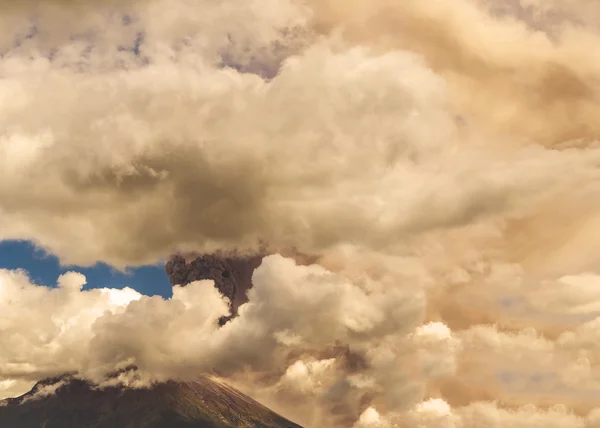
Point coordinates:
[[66, 401]]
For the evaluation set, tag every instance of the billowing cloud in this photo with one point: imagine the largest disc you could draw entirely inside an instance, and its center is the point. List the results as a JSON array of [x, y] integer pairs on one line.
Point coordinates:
[[284, 339], [41, 327], [503, 71], [338, 147], [438, 162]]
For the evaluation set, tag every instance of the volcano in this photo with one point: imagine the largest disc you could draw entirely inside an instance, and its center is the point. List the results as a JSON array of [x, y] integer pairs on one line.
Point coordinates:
[[68, 402]]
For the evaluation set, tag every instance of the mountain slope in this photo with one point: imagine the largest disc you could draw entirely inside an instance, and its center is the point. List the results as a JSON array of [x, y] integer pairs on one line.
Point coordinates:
[[204, 403]]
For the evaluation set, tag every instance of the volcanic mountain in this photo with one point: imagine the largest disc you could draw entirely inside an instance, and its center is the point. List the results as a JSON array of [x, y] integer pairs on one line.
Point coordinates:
[[68, 402]]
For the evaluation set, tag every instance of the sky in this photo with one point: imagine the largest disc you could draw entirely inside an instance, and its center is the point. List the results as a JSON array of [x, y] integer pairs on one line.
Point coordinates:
[[439, 162], [44, 269]]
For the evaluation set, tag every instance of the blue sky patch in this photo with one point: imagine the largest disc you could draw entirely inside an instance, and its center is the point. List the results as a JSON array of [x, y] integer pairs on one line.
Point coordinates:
[[44, 269]]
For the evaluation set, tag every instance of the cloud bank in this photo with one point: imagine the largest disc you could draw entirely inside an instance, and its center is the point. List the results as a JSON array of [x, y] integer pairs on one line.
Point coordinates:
[[141, 142], [440, 160]]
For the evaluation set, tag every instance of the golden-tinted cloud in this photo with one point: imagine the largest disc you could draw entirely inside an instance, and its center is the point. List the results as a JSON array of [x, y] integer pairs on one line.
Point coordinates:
[[438, 159]]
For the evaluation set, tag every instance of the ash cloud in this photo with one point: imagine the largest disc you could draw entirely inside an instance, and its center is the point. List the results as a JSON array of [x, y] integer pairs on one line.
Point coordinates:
[[232, 275], [318, 156], [439, 159]]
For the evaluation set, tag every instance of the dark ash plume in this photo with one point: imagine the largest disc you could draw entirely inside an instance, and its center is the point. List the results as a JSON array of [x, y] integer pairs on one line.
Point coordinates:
[[232, 272], [232, 275]]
